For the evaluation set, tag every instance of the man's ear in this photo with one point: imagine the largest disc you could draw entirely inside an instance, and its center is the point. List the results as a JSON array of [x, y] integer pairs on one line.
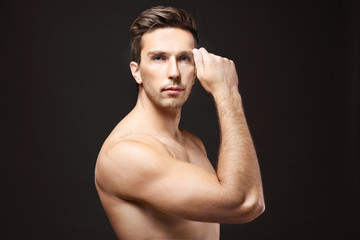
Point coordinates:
[[135, 70]]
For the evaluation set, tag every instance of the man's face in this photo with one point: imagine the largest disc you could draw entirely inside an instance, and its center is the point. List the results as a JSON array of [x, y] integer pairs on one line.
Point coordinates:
[[167, 71]]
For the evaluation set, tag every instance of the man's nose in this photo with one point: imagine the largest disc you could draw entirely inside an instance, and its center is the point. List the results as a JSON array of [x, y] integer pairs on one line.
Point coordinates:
[[173, 70]]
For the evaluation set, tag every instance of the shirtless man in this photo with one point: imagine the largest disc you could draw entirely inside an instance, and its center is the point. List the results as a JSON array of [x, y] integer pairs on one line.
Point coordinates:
[[154, 180]]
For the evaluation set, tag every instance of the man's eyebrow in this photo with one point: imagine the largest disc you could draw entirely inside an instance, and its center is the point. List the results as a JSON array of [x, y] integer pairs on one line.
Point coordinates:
[[190, 53], [155, 53]]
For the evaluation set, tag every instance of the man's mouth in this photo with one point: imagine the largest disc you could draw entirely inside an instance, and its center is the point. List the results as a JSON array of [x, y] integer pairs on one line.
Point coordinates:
[[173, 90]]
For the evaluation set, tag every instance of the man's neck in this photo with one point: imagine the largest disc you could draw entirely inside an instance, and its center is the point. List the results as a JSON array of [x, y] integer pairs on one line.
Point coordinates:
[[159, 121]]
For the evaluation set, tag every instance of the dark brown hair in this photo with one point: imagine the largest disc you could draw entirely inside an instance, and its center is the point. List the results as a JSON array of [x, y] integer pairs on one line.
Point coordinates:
[[159, 17]]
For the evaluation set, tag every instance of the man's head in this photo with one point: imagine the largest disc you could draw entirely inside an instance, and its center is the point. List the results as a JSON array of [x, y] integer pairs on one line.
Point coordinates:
[[163, 66], [155, 18]]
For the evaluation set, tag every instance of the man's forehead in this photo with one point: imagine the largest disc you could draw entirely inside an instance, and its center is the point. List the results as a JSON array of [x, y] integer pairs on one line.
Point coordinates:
[[168, 39]]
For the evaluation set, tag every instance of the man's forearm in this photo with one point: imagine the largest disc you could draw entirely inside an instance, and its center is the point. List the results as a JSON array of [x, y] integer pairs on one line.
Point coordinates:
[[238, 168]]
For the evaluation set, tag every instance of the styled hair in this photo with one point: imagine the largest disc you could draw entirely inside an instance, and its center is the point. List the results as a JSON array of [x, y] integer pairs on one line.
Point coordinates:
[[155, 18]]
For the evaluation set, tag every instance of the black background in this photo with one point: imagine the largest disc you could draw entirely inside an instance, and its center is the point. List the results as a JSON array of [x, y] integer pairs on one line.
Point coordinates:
[[65, 83]]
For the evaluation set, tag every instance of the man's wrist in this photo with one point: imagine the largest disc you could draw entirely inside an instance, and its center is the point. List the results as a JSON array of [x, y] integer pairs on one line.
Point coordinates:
[[225, 95]]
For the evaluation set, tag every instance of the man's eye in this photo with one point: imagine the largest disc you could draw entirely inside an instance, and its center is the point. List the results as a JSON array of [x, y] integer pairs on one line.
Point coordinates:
[[158, 58], [185, 58]]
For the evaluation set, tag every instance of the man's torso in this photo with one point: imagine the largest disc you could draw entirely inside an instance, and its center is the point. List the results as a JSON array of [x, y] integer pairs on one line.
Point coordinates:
[[137, 220]]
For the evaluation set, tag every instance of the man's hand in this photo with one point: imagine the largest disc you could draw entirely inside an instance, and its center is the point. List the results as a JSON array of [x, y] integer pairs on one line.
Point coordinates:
[[216, 74]]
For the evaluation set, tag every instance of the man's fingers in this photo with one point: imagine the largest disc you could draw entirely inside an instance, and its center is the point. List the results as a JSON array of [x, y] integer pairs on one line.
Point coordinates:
[[203, 51]]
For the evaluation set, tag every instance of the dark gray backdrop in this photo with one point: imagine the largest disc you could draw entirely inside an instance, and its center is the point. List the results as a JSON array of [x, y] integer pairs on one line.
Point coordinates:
[[66, 83]]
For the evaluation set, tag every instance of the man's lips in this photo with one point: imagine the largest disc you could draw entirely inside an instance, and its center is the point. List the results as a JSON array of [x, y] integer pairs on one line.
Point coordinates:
[[173, 89]]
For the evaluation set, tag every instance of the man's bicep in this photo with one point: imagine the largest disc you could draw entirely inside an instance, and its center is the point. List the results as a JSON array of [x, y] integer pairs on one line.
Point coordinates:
[[148, 174]]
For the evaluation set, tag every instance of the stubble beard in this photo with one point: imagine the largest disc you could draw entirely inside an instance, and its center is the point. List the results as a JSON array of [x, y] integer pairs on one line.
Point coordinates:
[[166, 102]]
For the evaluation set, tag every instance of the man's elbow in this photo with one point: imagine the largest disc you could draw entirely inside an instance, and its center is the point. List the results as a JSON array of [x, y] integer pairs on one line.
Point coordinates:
[[254, 210], [248, 209]]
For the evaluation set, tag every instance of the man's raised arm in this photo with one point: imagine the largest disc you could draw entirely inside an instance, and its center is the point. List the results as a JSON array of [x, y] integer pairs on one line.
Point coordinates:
[[238, 169]]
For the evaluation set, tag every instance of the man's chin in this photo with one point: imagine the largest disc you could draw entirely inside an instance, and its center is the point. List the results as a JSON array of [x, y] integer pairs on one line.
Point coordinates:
[[172, 105]]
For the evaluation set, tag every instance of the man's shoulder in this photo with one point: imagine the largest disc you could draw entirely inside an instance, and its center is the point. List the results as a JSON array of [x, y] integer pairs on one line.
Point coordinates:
[[128, 159], [189, 135], [195, 139], [130, 145]]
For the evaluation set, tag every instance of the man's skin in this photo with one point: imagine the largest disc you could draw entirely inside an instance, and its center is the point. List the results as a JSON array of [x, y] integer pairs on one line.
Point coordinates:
[[154, 179]]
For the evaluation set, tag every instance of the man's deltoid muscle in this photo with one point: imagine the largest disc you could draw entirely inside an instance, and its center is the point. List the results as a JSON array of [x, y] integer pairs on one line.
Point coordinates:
[[154, 180]]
